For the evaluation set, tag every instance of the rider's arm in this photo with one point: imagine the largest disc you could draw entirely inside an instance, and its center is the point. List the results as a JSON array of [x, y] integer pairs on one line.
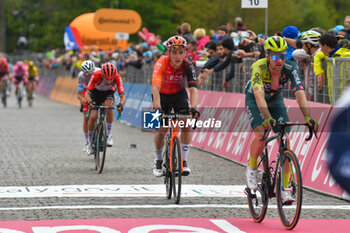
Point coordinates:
[[80, 86], [193, 97], [157, 82], [87, 96], [156, 96], [192, 85], [261, 103], [120, 88], [302, 102], [259, 92]]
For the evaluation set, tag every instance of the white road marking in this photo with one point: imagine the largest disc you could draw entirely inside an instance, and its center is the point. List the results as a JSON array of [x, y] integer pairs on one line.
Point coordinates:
[[120, 191], [171, 206]]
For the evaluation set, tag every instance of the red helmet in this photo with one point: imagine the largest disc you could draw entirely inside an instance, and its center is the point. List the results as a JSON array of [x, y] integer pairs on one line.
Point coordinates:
[[3, 61], [176, 42], [109, 70]]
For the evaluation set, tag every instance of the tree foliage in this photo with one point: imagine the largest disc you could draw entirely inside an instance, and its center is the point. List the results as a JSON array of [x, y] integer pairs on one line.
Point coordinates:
[[43, 22]]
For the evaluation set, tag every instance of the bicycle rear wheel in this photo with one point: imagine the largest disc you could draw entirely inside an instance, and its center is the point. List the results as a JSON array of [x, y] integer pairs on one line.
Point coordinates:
[[258, 200], [176, 160], [101, 145], [167, 173], [290, 211]]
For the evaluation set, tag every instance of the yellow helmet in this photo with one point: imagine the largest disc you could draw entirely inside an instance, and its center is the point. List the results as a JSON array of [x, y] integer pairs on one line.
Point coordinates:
[[275, 44], [31, 63]]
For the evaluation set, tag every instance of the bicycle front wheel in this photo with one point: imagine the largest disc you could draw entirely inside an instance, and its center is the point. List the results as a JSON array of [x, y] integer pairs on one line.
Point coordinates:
[[19, 96], [167, 172], [176, 160], [289, 199], [4, 95], [258, 200], [101, 146]]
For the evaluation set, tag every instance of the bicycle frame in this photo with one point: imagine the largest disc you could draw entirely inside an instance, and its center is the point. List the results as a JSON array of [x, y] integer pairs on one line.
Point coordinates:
[[280, 157]]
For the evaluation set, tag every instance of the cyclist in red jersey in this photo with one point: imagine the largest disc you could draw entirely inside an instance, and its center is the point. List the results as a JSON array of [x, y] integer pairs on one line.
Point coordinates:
[[100, 91], [4, 72], [168, 92]]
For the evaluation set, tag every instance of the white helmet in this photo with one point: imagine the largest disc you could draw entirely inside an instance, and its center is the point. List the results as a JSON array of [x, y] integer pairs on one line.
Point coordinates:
[[311, 37], [88, 66]]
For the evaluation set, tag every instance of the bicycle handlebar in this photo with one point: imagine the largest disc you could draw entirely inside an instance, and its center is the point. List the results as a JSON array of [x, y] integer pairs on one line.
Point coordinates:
[[284, 125], [96, 107]]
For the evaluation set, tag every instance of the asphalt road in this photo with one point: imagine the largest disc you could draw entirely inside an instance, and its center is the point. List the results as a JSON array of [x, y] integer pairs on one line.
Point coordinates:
[[42, 146]]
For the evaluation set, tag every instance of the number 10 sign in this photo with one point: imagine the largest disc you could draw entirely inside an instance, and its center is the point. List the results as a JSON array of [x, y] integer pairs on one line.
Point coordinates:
[[254, 3]]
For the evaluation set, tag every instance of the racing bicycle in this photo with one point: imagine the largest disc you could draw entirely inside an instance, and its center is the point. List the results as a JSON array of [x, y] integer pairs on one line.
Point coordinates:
[[270, 180], [99, 143], [173, 163]]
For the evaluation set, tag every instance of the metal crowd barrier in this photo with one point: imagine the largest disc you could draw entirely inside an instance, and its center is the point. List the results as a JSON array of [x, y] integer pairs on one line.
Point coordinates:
[[337, 77]]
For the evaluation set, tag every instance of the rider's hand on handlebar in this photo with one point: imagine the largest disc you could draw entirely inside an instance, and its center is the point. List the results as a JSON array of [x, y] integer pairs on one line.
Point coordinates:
[[268, 123], [119, 107], [194, 113], [313, 123], [91, 104]]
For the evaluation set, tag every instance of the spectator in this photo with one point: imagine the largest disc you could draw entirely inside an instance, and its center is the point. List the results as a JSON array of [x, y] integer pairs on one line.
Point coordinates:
[[222, 33], [191, 53], [347, 27], [178, 31], [248, 48], [290, 32], [239, 25], [231, 57], [186, 32], [330, 48], [338, 28], [230, 27], [201, 37]]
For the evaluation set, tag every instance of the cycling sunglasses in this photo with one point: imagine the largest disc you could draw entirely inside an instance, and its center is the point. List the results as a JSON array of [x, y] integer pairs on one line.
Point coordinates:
[[177, 47], [275, 57]]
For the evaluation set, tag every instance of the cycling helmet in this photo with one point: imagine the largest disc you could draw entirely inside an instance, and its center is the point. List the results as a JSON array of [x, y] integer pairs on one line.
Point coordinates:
[[109, 70], [31, 63], [3, 61], [311, 37], [88, 66], [275, 44], [176, 42]]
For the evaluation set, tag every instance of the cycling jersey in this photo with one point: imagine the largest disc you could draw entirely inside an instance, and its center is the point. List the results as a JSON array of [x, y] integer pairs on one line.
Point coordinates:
[[83, 80], [96, 82], [172, 81], [20, 71], [261, 81], [261, 78], [32, 71], [4, 70]]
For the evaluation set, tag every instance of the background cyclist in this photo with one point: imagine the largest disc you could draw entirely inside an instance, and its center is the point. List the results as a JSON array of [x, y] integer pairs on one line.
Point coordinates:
[[264, 103], [168, 92], [20, 73], [87, 70], [33, 77], [100, 91]]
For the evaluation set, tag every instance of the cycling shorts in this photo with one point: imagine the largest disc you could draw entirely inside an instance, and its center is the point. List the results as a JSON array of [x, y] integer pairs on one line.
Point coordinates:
[[99, 97], [276, 108], [18, 79], [177, 101]]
